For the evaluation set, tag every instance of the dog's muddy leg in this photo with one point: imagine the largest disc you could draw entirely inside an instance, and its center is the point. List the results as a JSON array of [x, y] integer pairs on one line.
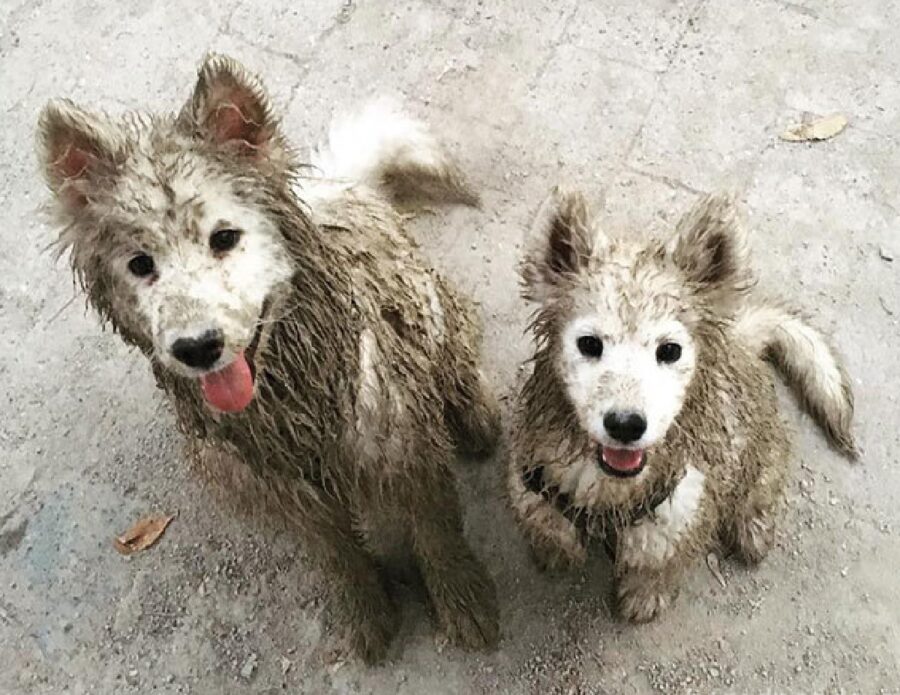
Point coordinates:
[[644, 593], [460, 588], [473, 414], [361, 605], [361, 602], [652, 552], [752, 532], [555, 542]]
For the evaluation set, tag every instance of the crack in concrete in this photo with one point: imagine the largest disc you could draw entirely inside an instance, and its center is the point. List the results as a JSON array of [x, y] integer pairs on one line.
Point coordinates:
[[670, 181], [798, 8], [553, 49], [673, 54], [302, 63]]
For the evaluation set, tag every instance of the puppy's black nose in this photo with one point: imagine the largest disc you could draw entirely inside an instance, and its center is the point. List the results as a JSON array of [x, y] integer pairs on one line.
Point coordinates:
[[625, 427], [201, 352]]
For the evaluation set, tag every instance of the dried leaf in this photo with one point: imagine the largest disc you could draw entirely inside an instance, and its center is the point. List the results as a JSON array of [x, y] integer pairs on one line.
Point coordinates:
[[819, 129], [712, 561], [143, 534]]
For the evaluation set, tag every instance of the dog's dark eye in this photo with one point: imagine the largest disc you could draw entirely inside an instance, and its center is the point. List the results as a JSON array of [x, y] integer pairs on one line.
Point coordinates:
[[224, 240], [667, 353], [141, 265], [590, 346]]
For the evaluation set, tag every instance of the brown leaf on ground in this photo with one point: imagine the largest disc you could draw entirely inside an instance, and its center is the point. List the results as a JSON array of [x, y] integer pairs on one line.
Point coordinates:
[[143, 534], [819, 129]]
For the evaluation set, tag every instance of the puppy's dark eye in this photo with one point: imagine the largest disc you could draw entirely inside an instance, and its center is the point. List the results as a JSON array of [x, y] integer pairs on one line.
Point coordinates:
[[667, 353], [142, 265], [224, 240], [590, 346]]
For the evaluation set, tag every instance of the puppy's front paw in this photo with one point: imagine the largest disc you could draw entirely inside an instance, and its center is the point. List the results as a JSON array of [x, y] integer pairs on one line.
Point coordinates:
[[642, 603], [755, 537], [561, 555]]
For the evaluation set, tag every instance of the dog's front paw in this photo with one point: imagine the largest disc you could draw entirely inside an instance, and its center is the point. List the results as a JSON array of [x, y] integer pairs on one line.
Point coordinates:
[[370, 626], [755, 538], [467, 610], [557, 556], [641, 604]]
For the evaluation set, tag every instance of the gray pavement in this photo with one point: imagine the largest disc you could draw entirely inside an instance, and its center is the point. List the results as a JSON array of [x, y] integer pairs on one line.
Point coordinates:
[[644, 104]]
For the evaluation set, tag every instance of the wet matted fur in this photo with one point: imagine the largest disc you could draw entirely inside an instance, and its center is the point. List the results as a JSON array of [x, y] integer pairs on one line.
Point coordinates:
[[293, 299], [650, 418]]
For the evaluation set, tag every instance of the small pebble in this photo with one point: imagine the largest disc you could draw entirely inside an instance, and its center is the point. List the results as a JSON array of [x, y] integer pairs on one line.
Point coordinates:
[[249, 667]]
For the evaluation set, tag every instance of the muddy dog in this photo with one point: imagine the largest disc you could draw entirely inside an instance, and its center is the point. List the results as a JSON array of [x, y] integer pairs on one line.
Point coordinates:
[[318, 367], [650, 418]]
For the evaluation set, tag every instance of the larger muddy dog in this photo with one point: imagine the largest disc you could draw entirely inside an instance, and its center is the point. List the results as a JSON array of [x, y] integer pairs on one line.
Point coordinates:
[[649, 420], [317, 366]]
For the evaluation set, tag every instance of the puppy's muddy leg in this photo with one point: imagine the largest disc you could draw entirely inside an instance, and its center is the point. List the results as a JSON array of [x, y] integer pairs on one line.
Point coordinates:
[[652, 552], [753, 526], [555, 542]]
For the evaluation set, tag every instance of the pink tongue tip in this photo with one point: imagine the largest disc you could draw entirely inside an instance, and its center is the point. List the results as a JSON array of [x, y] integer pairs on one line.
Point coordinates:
[[622, 459], [231, 388]]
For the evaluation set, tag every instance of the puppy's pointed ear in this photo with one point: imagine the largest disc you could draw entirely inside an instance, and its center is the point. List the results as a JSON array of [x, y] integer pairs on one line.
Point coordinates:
[[710, 248], [230, 108], [79, 151], [559, 243]]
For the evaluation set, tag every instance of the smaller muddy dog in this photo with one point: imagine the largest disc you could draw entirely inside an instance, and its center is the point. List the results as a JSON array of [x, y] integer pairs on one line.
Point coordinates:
[[319, 369], [650, 419]]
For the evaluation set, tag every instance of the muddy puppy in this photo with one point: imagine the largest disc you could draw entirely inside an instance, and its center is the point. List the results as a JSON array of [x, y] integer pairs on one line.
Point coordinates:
[[650, 419], [320, 370]]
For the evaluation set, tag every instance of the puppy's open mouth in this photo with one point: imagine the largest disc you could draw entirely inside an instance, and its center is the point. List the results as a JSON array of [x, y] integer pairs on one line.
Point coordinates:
[[620, 463], [230, 389]]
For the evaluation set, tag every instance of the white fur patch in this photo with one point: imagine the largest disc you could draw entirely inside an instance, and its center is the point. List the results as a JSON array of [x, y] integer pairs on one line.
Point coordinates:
[[627, 377], [361, 145], [196, 291], [368, 395], [379, 408], [654, 539], [436, 313]]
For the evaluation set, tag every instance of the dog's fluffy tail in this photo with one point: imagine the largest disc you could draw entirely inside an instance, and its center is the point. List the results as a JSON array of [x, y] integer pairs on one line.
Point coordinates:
[[388, 150], [807, 363]]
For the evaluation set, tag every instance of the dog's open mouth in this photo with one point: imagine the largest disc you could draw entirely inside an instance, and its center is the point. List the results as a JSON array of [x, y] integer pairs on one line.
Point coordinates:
[[621, 463], [230, 389]]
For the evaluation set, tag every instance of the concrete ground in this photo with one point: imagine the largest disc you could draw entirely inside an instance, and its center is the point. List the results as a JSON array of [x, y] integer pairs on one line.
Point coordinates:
[[645, 105]]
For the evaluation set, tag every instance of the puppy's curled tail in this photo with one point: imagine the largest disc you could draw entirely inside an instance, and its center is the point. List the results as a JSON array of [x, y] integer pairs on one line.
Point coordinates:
[[384, 148], [808, 364]]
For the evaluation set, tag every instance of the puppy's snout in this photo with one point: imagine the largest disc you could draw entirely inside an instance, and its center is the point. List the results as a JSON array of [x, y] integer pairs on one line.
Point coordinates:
[[625, 427], [200, 352]]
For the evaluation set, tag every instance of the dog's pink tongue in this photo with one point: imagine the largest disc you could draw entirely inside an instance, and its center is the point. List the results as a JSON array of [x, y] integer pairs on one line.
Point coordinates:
[[622, 459], [230, 389]]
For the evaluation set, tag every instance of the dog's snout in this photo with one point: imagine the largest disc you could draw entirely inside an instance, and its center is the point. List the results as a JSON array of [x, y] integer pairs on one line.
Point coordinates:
[[201, 352], [625, 427]]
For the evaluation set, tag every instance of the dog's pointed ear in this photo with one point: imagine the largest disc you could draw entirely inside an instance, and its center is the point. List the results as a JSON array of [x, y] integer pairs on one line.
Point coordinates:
[[230, 108], [78, 151], [710, 247], [559, 244]]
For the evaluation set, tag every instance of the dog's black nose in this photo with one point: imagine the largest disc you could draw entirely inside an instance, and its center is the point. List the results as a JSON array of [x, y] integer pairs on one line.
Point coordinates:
[[625, 427], [201, 352]]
